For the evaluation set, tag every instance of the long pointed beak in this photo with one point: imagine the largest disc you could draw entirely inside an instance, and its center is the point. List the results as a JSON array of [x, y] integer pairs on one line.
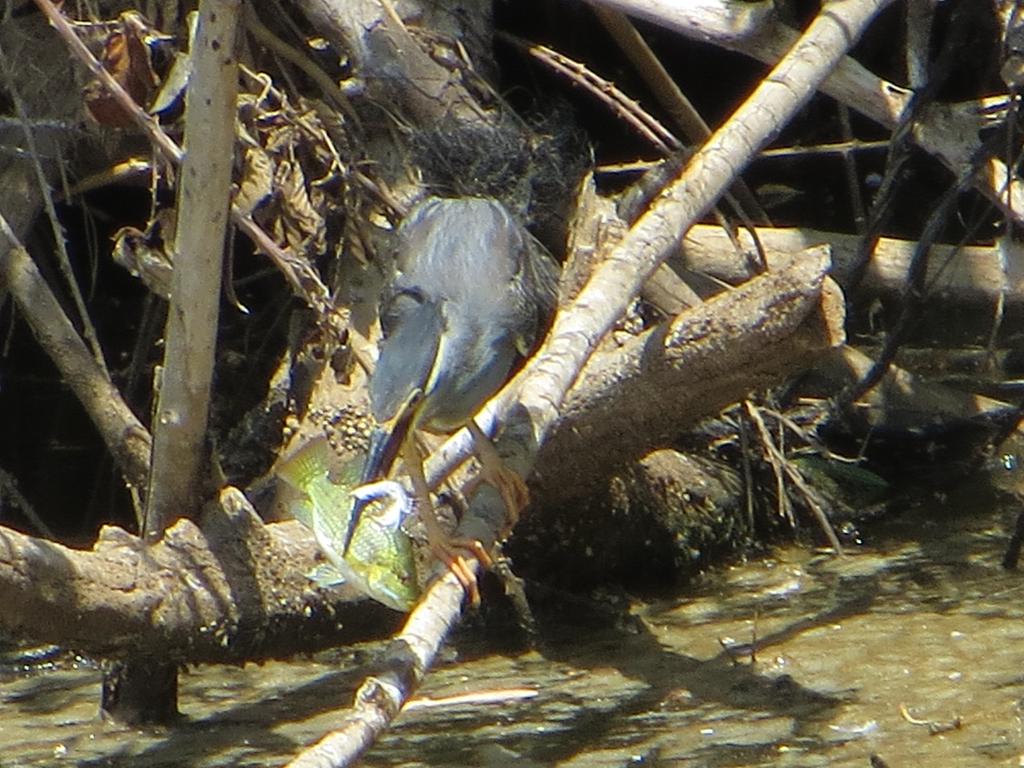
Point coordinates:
[[386, 443]]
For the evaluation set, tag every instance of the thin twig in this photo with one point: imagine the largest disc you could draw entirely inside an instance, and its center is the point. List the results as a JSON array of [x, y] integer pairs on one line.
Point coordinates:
[[255, 26], [126, 438], [780, 464], [775, 460], [300, 275], [171, 151], [827, 148], [671, 97], [664, 88], [9, 488], [652, 131], [63, 259], [860, 216]]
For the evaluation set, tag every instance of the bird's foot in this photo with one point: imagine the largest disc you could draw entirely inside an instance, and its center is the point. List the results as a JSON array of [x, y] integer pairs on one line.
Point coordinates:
[[452, 551], [514, 493], [493, 470]]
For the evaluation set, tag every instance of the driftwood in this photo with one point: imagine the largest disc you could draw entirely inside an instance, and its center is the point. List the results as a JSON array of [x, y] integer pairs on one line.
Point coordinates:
[[973, 273], [635, 396], [576, 332], [229, 590], [204, 202], [232, 588]]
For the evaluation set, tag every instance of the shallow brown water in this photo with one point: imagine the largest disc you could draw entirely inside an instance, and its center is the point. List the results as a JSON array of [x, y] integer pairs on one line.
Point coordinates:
[[921, 617]]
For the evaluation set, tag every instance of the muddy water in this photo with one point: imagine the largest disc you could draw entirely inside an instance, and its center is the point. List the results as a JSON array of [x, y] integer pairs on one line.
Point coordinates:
[[909, 648]]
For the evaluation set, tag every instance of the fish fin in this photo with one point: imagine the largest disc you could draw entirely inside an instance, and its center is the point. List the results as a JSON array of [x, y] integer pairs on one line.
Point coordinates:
[[326, 576]]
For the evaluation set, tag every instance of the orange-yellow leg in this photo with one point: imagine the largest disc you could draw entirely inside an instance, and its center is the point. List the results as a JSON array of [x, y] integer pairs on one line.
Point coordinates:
[[509, 484], [446, 548]]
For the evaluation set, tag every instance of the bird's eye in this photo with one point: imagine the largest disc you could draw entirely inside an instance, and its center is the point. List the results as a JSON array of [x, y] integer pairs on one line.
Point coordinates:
[[397, 307]]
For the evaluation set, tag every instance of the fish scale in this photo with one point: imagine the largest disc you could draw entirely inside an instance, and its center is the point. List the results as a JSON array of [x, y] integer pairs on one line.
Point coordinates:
[[318, 493]]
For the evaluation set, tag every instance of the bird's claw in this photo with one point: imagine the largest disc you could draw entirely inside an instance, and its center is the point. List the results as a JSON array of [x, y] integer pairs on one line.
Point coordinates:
[[514, 493], [448, 552]]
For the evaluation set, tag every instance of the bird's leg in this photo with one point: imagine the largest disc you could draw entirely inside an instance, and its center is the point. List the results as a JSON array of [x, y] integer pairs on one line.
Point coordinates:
[[444, 547], [509, 484]]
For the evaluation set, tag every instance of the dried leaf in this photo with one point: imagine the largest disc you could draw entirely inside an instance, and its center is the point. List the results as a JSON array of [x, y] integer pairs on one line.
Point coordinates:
[[172, 91], [303, 226], [142, 254], [257, 183], [127, 57]]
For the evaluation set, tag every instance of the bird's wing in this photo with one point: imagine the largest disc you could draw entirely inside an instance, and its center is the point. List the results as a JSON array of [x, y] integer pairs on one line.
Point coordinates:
[[542, 272]]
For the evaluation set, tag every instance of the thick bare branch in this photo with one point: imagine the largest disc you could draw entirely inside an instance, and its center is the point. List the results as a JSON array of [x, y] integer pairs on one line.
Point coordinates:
[[970, 273], [231, 590], [636, 396], [204, 199], [713, 21], [124, 435]]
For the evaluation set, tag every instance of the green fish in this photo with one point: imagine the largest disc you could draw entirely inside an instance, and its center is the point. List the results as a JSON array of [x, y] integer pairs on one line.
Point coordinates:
[[318, 490]]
